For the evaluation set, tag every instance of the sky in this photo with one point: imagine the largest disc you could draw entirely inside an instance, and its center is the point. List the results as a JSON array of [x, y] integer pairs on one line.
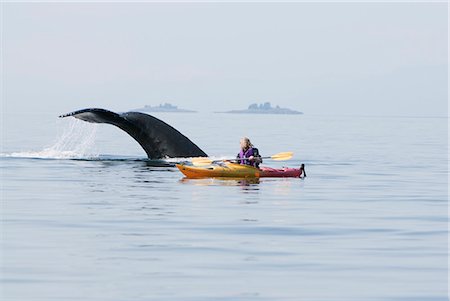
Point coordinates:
[[361, 58]]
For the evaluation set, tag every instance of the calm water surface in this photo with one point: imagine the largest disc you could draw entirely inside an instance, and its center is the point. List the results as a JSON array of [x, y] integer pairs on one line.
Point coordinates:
[[84, 217]]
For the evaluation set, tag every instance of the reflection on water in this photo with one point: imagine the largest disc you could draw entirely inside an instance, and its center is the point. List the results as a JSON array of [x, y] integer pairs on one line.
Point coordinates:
[[247, 182]]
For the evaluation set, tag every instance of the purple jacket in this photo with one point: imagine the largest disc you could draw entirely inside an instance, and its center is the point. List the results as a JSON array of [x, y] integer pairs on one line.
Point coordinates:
[[248, 153]]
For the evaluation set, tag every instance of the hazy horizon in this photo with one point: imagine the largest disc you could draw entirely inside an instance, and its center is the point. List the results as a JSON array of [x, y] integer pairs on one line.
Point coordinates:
[[318, 58]]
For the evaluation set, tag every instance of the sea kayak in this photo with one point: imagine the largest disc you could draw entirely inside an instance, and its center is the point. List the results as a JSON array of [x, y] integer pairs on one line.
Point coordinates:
[[233, 170]]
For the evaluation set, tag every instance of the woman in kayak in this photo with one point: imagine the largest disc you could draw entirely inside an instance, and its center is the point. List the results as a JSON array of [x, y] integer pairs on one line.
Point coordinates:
[[249, 153]]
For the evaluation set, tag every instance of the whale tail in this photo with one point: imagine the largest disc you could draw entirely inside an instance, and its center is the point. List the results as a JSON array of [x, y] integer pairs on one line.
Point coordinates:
[[157, 138]]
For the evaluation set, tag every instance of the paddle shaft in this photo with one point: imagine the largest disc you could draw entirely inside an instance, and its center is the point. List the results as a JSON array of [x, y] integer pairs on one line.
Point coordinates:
[[242, 159], [279, 157]]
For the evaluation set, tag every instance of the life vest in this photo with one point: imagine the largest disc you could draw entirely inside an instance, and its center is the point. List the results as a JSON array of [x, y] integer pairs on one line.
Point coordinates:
[[252, 151]]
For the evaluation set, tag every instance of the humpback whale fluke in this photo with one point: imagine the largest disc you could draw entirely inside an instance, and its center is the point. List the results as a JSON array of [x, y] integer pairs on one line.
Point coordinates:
[[157, 138]]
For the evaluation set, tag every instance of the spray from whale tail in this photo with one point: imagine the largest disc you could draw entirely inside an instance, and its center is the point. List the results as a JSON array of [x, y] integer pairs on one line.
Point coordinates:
[[76, 141]]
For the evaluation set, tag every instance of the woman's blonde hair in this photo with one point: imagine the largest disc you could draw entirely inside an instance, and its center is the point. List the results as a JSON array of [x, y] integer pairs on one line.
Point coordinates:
[[247, 142]]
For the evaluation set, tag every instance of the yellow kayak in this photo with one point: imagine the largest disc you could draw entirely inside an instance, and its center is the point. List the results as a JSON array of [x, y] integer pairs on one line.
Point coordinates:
[[234, 170], [227, 169]]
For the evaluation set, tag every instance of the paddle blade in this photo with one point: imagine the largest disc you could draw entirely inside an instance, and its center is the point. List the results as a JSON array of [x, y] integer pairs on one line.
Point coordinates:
[[282, 156]]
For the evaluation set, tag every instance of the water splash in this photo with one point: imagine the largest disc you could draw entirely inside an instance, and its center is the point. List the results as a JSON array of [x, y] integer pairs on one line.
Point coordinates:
[[76, 141]]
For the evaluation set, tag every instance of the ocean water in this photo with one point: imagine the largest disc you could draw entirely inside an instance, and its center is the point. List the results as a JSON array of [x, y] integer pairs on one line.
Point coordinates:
[[85, 217]]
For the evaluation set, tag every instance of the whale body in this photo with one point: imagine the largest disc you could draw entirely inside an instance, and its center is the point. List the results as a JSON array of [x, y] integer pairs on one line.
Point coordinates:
[[158, 139]]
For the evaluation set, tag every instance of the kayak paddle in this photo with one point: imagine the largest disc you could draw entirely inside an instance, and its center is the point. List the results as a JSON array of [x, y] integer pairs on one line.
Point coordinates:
[[207, 161]]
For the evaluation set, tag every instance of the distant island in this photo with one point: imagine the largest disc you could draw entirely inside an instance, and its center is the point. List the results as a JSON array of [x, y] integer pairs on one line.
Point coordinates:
[[166, 107], [264, 108]]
